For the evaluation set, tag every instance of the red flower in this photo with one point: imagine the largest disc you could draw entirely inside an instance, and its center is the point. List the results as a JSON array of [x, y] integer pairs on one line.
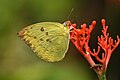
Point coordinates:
[[80, 38]]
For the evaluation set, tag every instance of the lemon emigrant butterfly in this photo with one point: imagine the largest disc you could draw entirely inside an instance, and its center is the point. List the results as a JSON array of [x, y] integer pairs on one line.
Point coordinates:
[[49, 40]]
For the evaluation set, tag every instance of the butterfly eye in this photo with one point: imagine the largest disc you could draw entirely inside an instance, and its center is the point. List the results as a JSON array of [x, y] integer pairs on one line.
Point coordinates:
[[66, 23]]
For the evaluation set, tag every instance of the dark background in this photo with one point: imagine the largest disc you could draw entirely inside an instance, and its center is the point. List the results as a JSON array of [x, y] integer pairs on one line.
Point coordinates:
[[18, 62]]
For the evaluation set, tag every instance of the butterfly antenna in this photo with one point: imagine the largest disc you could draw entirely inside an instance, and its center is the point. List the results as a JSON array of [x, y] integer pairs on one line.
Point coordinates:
[[70, 14]]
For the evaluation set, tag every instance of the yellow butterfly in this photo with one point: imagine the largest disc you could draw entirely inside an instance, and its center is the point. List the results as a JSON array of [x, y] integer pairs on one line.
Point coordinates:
[[49, 40]]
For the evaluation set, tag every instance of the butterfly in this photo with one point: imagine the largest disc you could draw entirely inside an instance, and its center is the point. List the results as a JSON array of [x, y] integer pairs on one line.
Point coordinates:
[[49, 40]]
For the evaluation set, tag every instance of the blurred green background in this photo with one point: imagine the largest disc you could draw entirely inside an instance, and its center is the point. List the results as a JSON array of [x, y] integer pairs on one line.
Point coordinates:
[[18, 62]]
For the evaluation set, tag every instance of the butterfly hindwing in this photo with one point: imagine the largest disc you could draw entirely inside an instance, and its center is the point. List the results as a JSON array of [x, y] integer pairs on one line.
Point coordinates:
[[50, 40]]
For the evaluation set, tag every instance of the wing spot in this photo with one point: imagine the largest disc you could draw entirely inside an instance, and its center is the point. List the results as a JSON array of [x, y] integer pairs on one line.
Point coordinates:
[[27, 42], [30, 27], [35, 37], [41, 39], [42, 29], [46, 33], [30, 44], [23, 39], [47, 40], [52, 51]]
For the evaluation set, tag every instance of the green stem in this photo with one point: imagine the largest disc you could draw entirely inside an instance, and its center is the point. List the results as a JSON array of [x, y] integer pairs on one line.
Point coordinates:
[[102, 76]]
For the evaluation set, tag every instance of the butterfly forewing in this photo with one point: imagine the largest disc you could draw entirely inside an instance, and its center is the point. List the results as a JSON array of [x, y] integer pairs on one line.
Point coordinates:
[[50, 40]]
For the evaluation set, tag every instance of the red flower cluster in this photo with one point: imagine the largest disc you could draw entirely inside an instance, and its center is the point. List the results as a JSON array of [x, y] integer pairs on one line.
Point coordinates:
[[80, 38]]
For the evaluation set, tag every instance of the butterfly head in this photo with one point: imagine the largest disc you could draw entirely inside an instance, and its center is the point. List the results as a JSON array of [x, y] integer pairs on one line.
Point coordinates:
[[69, 25]]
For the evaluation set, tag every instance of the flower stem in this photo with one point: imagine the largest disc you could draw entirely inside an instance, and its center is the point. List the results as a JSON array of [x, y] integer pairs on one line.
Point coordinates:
[[102, 76]]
